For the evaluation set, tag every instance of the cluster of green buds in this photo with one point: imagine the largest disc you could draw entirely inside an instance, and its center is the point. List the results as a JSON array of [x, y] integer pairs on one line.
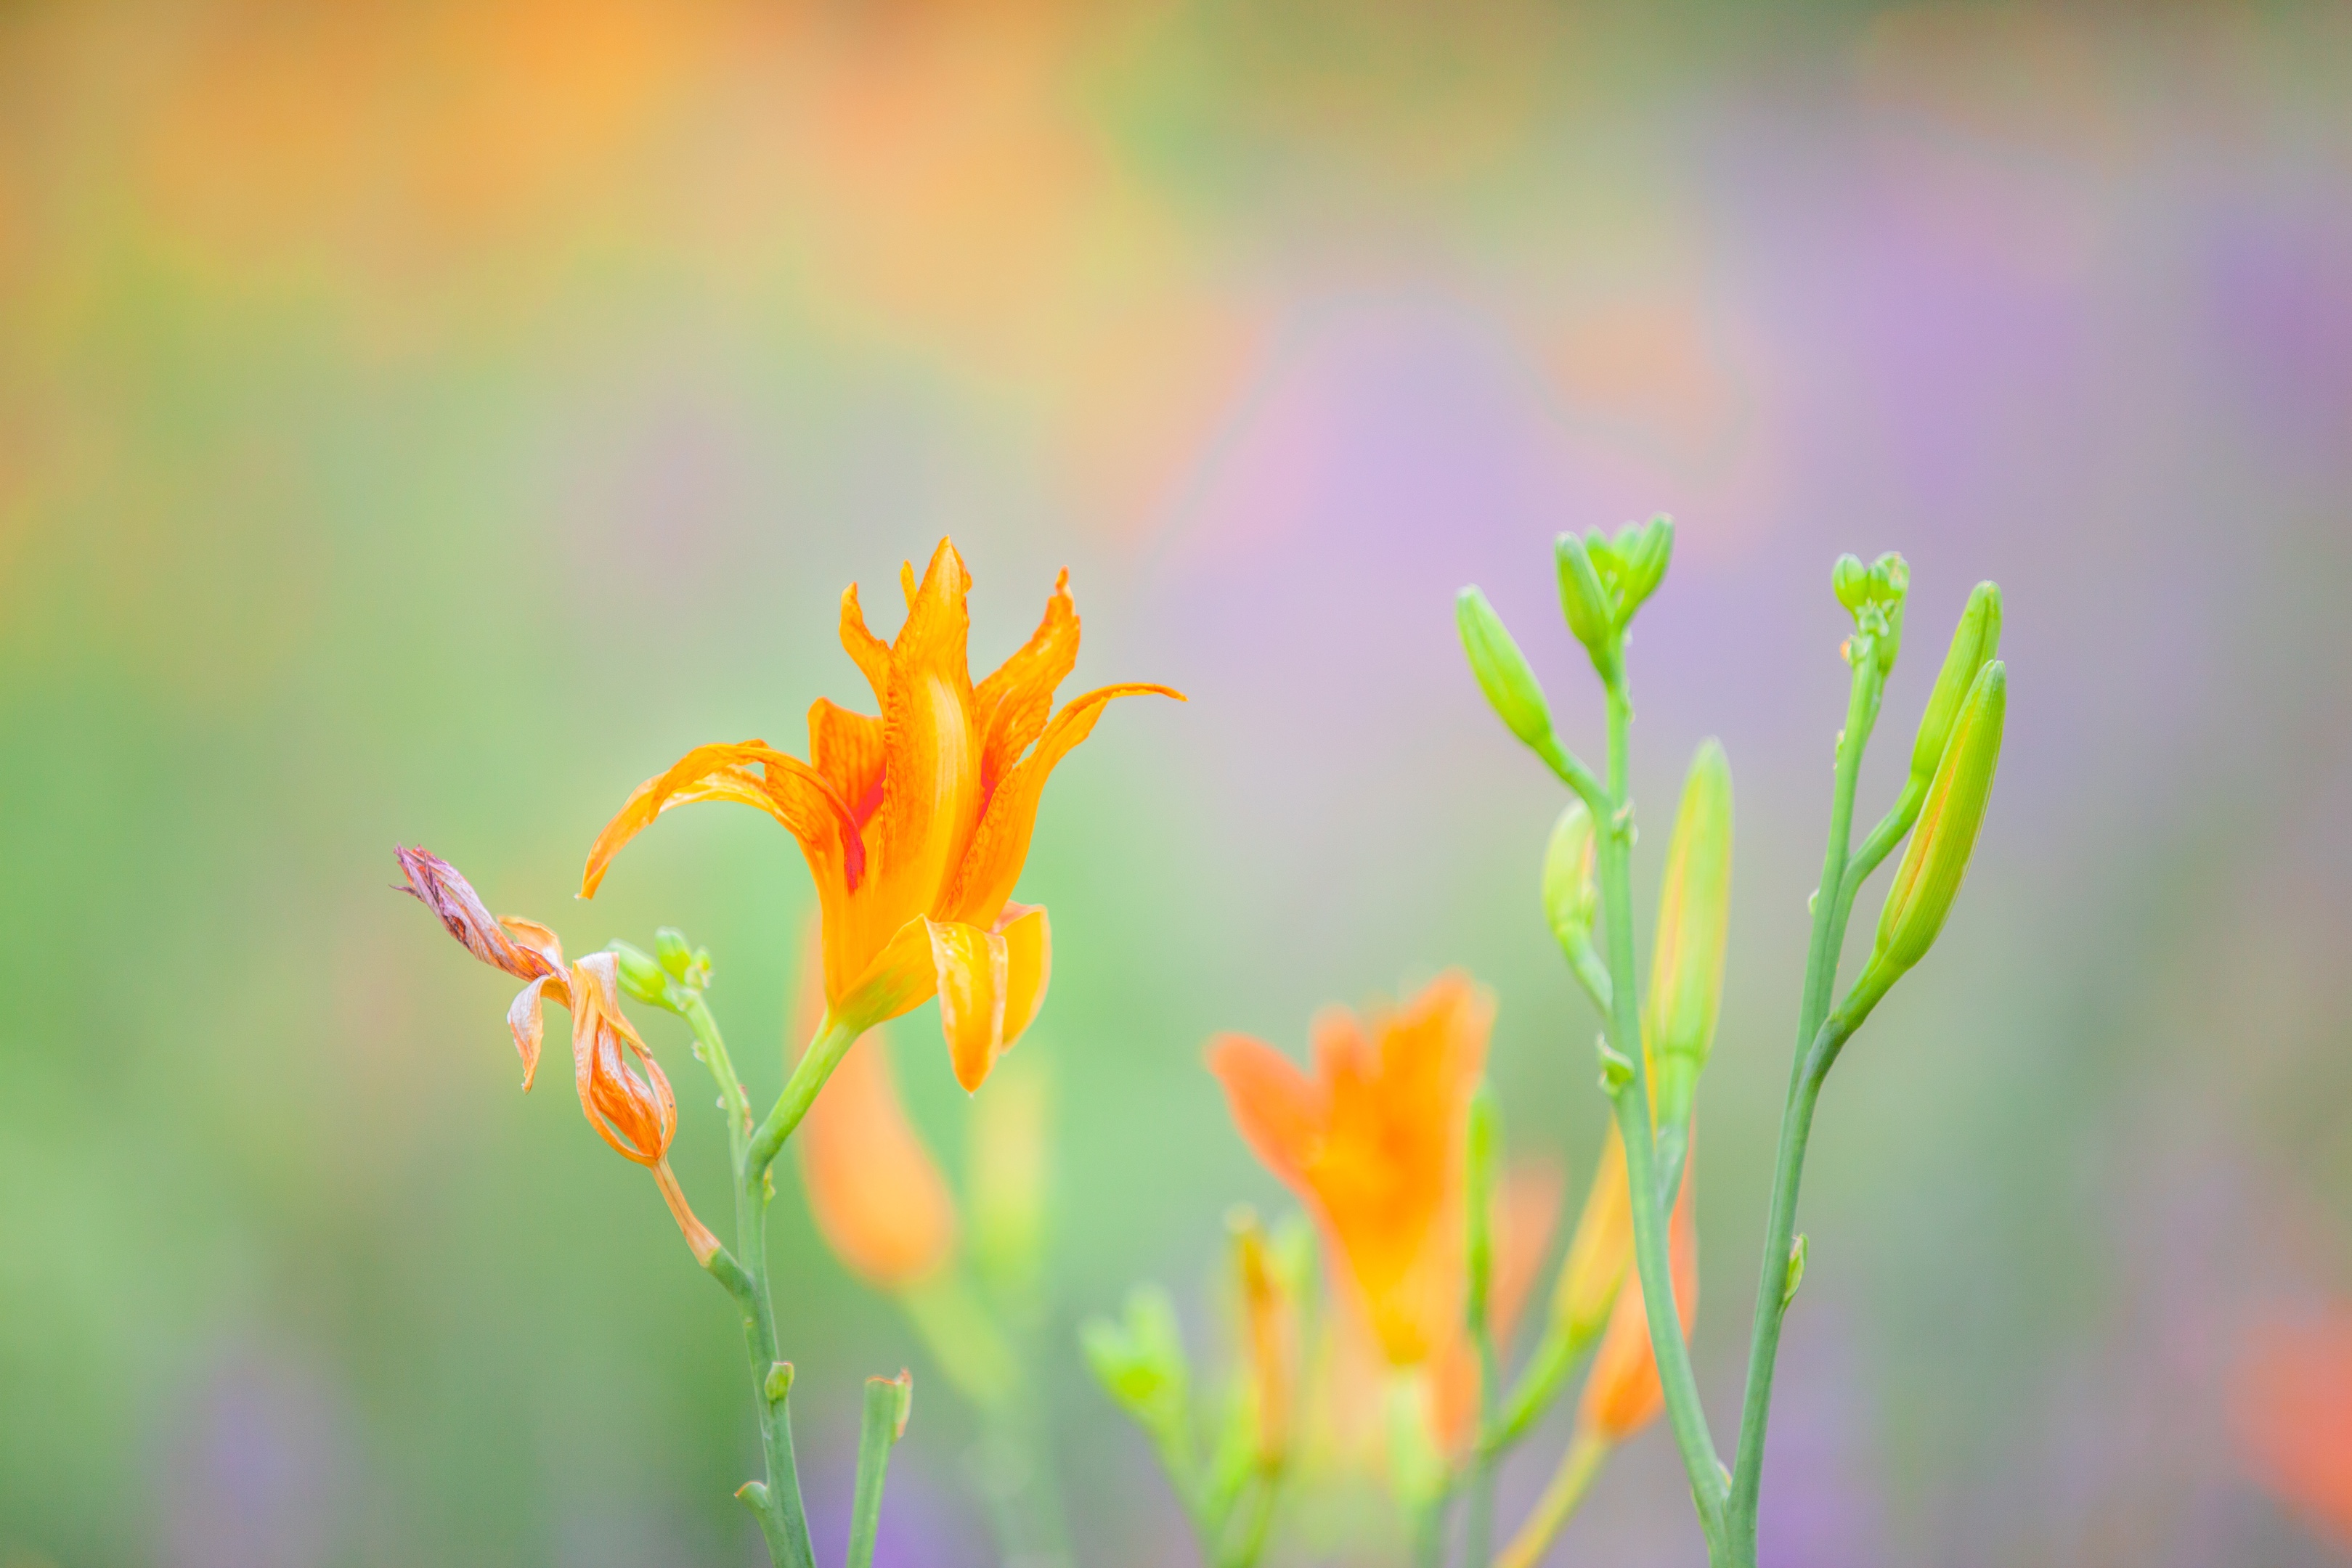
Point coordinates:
[[1873, 595], [673, 977], [1603, 581], [1253, 1426]]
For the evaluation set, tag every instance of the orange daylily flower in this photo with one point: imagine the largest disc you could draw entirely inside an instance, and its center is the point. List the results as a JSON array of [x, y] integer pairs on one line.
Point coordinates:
[[1374, 1145], [915, 824], [2290, 1405], [878, 1194], [1621, 1393], [632, 1110]]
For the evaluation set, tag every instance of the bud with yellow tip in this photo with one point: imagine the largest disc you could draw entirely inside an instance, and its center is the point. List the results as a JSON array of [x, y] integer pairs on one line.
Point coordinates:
[[1694, 922], [1599, 1253], [1976, 642], [1933, 866]]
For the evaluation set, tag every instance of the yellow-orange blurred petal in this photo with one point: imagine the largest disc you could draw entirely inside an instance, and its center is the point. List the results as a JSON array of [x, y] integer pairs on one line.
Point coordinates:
[[1372, 1144], [972, 979], [1621, 1394], [1012, 704], [1603, 1247], [878, 1198], [790, 791], [1278, 1110], [2290, 1406], [1028, 965], [993, 864]]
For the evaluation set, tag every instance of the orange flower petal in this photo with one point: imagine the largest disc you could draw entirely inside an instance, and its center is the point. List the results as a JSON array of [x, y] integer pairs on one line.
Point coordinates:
[[1011, 705], [847, 747], [973, 968], [993, 864], [869, 653], [1029, 964], [1280, 1111], [900, 978], [930, 783], [790, 791], [1621, 1394]]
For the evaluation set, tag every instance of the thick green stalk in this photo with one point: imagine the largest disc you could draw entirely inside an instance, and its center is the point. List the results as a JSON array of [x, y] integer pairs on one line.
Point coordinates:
[[1651, 1249], [1831, 901], [878, 1433], [816, 1064]]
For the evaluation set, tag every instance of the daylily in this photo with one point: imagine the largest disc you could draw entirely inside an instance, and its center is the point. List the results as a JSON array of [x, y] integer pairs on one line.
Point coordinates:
[[914, 823], [632, 1110], [877, 1192]]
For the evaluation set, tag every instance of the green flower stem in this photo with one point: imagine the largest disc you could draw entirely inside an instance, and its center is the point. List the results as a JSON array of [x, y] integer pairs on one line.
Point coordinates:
[[816, 1064], [1831, 901], [1546, 1374], [1631, 1099], [877, 1435], [697, 1013], [1245, 1550], [1479, 1531]]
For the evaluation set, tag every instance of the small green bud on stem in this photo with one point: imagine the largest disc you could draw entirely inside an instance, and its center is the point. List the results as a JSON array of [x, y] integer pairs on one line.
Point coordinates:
[[1502, 669]]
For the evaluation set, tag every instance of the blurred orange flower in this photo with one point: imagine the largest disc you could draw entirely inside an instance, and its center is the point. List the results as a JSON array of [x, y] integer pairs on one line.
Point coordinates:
[[634, 1111], [1621, 1394], [2290, 1406], [1372, 1144], [879, 1199], [915, 824]]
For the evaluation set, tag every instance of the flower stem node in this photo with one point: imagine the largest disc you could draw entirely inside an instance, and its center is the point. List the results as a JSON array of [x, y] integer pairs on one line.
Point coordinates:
[[1503, 672], [1616, 1067], [779, 1385], [1796, 1275]]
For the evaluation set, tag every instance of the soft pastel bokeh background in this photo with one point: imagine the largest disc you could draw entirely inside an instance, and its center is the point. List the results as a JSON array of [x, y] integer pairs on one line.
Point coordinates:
[[421, 422]]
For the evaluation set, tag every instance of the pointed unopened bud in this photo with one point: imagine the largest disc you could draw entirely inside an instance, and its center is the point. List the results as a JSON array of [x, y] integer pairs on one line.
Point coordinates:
[[1694, 920], [1976, 642], [1590, 613], [1937, 859], [1643, 551], [640, 976], [1269, 1335], [1571, 898], [1502, 669], [1141, 1362]]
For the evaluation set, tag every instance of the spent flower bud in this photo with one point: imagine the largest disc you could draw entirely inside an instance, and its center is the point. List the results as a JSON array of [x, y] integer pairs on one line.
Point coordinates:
[[1976, 642], [1502, 669]]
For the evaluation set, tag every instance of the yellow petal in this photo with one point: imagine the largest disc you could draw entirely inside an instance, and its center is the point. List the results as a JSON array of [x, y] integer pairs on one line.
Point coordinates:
[[973, 968], [1029, 964]]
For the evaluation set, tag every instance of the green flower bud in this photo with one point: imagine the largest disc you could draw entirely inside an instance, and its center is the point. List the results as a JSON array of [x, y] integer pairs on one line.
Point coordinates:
[[1849, 580], [1642, 550], [1590, 611], [1502, 669], [670, 948], [1572, 898], [1929, 878], [1140, 1361], [1685, 992], [640, 976], [1975, 641]]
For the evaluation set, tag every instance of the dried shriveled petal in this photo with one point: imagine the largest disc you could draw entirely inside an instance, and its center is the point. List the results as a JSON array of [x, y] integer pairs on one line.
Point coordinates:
[[636, 1113], [435, 883]]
